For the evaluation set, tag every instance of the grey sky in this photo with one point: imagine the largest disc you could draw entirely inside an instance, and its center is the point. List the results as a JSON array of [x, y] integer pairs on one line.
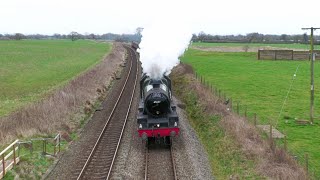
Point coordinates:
[[124, 16]]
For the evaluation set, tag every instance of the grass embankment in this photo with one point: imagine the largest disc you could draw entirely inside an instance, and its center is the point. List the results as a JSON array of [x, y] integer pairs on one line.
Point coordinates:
[[226, 158], [31, 68], [292, 46], [262, 86]]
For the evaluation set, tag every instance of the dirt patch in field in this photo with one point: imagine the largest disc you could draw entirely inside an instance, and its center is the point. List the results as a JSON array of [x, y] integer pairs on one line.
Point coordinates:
[[62, 110], [240, 48], [270, 162]]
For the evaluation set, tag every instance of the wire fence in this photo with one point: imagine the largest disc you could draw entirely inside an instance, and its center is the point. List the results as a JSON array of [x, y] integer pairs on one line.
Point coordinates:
[[304, 158]]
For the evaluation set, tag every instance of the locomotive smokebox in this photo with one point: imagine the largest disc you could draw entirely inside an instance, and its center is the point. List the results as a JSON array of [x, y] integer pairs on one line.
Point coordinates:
[[157, 102]]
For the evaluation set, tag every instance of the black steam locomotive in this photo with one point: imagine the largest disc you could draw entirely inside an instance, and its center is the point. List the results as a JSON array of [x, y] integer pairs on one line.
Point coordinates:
[[157, 116]]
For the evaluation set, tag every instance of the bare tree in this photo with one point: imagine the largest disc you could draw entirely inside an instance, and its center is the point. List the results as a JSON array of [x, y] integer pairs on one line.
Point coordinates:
[[139, 30], [92, 36], [305, 38], [57, 36], [245, 48], [284, 37], [74, 36], [18, 36]]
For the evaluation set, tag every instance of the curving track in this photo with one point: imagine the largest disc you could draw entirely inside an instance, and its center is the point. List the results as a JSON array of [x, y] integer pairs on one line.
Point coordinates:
[[159, 162], [98, 165]]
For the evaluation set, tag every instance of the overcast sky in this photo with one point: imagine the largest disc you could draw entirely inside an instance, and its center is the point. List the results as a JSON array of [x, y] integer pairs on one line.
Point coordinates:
[[124, 16]]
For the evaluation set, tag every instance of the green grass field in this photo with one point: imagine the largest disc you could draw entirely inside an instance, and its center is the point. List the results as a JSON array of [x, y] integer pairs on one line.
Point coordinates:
[[31, 68], [293, 46], [262, 86]]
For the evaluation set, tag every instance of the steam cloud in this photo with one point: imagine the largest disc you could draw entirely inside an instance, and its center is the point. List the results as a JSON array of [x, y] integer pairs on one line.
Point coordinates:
[[161, 45]]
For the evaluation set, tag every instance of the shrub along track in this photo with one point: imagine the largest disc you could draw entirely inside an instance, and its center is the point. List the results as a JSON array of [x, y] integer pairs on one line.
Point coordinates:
[[93, 155]]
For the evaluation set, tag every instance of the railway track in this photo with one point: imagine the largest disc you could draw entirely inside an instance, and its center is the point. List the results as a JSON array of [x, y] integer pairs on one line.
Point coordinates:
[[98, 164], [159, 162]]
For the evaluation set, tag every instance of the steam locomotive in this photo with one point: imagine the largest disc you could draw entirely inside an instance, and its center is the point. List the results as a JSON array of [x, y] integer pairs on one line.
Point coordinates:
[[157, 116]]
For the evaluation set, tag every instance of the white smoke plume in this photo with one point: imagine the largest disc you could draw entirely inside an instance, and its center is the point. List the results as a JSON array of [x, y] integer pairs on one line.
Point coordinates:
[[161, 45]]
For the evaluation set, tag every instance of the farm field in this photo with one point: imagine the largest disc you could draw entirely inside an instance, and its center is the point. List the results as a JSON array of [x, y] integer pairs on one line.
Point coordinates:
[[257, 45], [31, 68], [262, 86]]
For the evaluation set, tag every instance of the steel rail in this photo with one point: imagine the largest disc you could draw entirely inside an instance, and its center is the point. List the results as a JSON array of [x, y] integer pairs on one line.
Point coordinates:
[[172, 162], [105, 126], [146, 164], [126, 118]]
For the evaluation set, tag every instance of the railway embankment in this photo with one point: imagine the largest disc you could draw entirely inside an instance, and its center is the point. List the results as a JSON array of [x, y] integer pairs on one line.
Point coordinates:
[[236, 149]]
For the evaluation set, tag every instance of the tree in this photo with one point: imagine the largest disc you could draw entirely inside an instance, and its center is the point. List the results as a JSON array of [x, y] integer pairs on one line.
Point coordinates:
[[252, 37], [18, 36], [201, 36], [305, 38], [92, 36], [139, 30], [74, 36], [138, 34], [57, 36], [297, 38], [284, 37]]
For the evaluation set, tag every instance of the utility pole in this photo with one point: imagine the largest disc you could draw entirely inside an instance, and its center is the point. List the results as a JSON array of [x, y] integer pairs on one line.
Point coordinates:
[[312, 73]]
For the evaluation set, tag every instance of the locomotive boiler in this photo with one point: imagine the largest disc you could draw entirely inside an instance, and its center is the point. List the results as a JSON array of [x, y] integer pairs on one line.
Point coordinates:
[[157, 116]]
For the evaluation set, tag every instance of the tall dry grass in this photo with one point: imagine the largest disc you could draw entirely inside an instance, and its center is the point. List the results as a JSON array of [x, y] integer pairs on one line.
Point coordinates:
[[54, 113], [273, 163]]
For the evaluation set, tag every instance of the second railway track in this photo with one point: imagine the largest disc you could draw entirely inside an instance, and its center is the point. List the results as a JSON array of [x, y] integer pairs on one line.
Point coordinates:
[[98, 165]]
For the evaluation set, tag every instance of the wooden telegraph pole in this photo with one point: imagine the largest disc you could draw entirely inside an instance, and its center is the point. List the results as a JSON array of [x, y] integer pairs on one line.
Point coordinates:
[[312, 73]]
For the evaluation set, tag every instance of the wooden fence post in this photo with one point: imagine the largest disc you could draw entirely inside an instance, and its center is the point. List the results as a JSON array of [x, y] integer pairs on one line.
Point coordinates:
[[44, 147], [285, 143], [59, 142], [54, 148], [307, 163], [271, 138], [14, 155], [245, 111], [3, 165], [238, 108]]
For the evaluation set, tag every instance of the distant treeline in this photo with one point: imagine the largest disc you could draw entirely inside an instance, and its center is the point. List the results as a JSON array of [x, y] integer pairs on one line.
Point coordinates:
[[75, 36], [201, 37], [254, 38]]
